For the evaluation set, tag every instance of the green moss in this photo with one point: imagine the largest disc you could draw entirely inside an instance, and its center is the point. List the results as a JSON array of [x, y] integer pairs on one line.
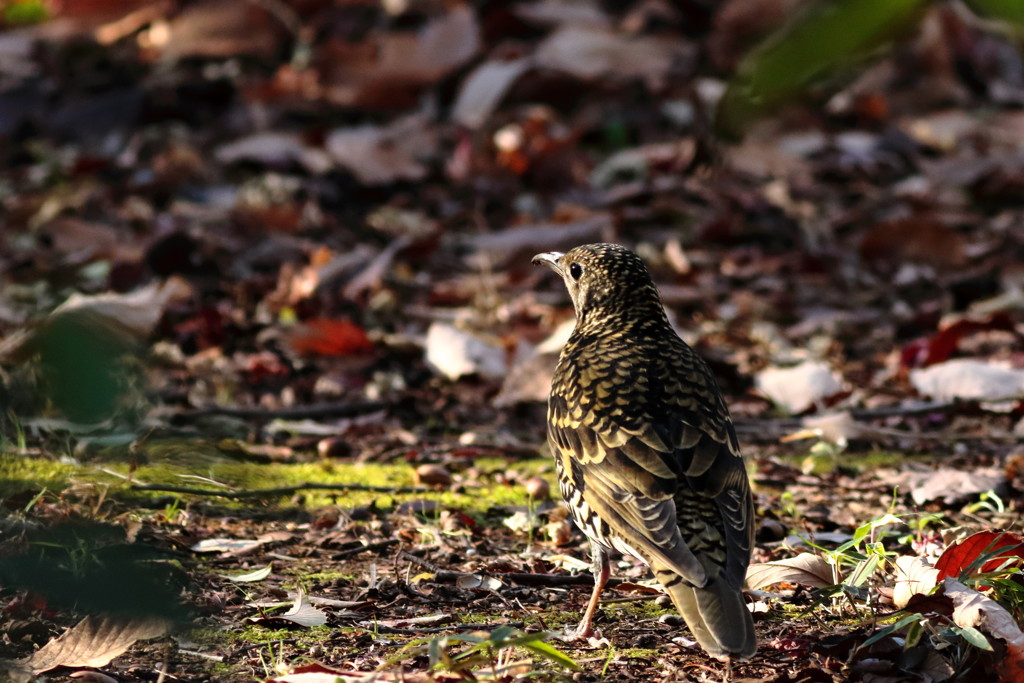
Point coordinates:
[[298, 638], [825, 461], [641, 610], [635, 653], [321, 577], [20, 472], [202, 466]]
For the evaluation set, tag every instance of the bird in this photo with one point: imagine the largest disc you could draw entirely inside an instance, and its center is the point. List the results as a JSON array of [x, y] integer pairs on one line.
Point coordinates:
[[645, 450]]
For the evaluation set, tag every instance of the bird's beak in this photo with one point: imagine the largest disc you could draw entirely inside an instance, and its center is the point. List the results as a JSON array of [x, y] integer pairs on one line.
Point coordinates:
[[549, 259]]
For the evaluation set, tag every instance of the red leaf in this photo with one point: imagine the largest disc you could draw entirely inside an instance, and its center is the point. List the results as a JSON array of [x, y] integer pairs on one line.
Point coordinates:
[[326, 337], [940, 346], [960, 556]]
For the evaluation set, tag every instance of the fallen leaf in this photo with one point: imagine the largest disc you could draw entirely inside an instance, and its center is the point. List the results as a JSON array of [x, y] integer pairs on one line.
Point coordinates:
[[304, 613], [978, 553], [380, 155], [949, 484], [328, 337], [914, 576], [484, 88], [638, 162], [249, 577], [967, 378], [390, 72], [940, 346], [478, 581], [798, 388], [805, 569], [275, 149], [222, 29], [234, 547], [94, 641], [971, 609], [592, 52], [528, 380], [917, 239], [454, 353], [502, 246], [837, 428]]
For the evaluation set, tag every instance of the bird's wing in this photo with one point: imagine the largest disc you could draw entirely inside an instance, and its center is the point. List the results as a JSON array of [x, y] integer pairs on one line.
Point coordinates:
[[664, 472]]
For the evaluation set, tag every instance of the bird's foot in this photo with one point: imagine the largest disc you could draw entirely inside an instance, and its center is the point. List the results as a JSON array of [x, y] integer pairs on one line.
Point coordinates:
[[584, 634]]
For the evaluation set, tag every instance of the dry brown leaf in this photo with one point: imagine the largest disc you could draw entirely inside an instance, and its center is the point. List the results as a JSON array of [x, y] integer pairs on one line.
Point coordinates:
[[913, 576], [274, 148], [805, 569], [222, 29], [949, 484], [94, 641], [390, 72], [971, 609], [916, 239], [590, 53], [483, 90], [379, 155], [502, 246], [529, 380]]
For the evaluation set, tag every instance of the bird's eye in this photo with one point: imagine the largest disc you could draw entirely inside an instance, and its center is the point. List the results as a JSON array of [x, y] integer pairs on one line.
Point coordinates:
[[576, 271]]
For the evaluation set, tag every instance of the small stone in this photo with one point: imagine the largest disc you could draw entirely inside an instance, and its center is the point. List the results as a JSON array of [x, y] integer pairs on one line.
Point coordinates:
[[539, 489], [673, 620], [646, 641], [334, 447], [433, 475], [771, 530]]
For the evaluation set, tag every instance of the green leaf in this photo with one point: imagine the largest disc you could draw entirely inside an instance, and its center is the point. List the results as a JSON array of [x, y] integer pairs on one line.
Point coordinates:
[[863, 571], [892, 628], [975, 637], [548, 652], [501, 634], [827, 37]]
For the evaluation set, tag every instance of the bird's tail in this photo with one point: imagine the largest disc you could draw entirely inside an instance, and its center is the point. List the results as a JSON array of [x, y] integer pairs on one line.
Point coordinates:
[[716, 614]]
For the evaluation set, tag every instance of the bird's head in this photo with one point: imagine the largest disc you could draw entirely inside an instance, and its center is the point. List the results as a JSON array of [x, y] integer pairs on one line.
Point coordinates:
[[603, 279]]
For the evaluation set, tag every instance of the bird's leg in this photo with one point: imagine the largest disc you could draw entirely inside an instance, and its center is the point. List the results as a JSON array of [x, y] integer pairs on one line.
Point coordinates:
[[601, 570]]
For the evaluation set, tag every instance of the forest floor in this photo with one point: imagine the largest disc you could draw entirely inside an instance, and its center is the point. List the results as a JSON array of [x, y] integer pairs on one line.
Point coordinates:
[[273, 358]]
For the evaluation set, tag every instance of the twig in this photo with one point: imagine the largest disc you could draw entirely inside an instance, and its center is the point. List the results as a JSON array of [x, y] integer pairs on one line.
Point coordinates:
[[524, 579], [914, 409], [364, 548], [313, 411], [279, 490], [435, 629], [521, 578], [419, 561]]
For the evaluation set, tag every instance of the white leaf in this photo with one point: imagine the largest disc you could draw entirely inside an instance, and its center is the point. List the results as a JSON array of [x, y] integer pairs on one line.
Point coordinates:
[[967, 378], [454, 353], [806, 569], [949, 484], [304, 613], [248, 577], [971, 609], [798, 388], [913, 576]]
